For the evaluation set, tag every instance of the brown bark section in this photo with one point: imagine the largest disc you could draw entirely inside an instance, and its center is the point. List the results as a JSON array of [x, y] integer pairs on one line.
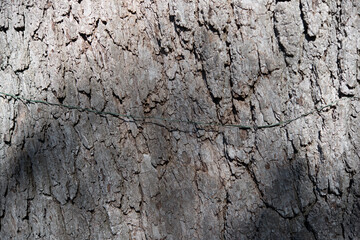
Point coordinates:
[[68, 174]]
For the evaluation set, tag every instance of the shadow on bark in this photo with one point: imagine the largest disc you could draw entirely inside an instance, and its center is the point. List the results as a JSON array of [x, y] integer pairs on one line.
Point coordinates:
[[42, 197], [49, 189]]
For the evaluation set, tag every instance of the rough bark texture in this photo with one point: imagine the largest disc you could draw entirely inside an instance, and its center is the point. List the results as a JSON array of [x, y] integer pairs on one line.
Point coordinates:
[[66, 174]]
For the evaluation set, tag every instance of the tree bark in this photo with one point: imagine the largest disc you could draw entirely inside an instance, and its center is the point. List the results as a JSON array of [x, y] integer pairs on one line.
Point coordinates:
[[152, 172]]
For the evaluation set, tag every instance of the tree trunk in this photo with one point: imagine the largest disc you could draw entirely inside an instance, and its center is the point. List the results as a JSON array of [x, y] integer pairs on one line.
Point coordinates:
[[193, 120]]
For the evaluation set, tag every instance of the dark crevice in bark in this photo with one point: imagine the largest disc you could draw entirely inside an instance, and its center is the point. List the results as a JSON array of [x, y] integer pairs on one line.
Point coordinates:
[[277, 36], [345, 95], [343, 228], [339, 44], [216, 100], [253, 113], [306, 27], [22, 70], [321, 153], [256, 181], [95, 26], [61, 99], [85, 93], [238, 97], [3, 28], [85, 37], [120, 100], [225, 209], [212, 29], [315, 87], [163, 51], [19, 28], [233, 109], [178, 28], [296, 151], [310, 228]]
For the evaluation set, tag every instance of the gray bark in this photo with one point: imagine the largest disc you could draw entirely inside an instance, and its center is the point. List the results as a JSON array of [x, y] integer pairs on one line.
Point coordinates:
[[68, 174]]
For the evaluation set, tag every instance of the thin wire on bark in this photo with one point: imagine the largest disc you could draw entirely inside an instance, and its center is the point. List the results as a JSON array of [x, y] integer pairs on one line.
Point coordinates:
[[143, 118]]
